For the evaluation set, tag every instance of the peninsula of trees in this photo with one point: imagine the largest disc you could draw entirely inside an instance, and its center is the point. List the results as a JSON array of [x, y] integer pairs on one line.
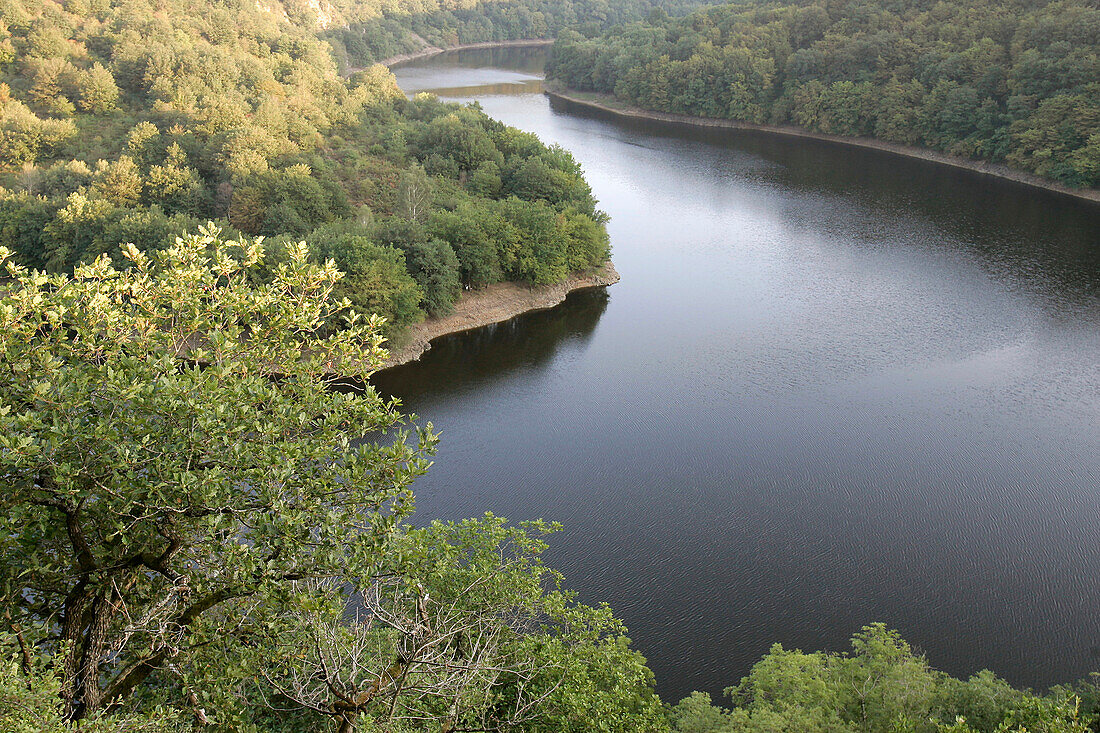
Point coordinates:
[[1009, 82]]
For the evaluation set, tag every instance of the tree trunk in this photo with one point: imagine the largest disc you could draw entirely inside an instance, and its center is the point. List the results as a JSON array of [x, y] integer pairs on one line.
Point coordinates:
[[71, 624], [95, 649]]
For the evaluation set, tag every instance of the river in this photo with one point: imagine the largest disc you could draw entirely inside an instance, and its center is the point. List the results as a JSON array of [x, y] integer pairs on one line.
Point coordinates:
[[833, 387]]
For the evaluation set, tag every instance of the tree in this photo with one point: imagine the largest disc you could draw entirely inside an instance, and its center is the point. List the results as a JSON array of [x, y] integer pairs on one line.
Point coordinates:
[[696, 714], [30, 701], [981, 80], [47, 91], [485, 181], [172, 456], [175, 185], [459, 137], [375, 280], [476, 251], [444, 633], [24, 136], [96, 91], [434, 266], [118, 181], [414, 194]]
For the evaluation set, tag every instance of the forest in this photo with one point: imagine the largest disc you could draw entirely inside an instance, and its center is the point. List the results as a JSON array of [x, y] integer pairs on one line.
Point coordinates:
[[393, 28], [208, 232], [1011, 82], [120, 123]]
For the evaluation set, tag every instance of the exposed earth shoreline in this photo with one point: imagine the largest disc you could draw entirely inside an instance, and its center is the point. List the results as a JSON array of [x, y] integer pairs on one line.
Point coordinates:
[[608, 104], [429, 50], [494, 304]]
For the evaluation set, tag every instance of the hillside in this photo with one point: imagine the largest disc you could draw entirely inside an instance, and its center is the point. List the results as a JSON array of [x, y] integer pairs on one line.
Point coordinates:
[[992, 80], [137, 122]]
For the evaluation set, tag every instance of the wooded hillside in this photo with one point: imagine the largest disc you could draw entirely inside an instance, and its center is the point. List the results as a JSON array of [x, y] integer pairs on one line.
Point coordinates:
[[996, 80], [135, 122]]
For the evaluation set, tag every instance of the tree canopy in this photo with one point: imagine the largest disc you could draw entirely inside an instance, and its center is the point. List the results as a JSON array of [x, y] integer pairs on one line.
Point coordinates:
[[880, 686], [133, 123], [998, 80], [208, 233]]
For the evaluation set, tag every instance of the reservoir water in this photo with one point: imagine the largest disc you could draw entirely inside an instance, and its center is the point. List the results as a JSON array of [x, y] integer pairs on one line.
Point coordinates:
[[833, 387]]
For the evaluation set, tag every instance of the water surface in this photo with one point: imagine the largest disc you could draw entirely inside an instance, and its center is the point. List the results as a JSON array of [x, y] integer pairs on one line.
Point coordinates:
[[833, 387]]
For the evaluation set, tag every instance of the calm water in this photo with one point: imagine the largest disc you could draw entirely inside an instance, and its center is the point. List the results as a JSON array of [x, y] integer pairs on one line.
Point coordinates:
[[833, 387]]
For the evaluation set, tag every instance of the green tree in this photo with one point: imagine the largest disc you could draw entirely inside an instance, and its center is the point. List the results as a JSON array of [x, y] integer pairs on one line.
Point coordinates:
[[74, 229], [414, 194], [24, 136], [30, 700], [49, 80], [696, 714], [158, 479], [984, 80], [118, 181], [890, 686], [175, 185], [485, 181], [376, 280], [477, 253], [454, 137], [435, 268], [96, 91], [465, 626], [789, 690]]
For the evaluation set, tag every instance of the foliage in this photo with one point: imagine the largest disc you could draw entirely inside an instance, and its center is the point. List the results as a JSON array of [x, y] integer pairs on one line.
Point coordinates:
[[30, 700], [465, 626], [379, 29], [154, 470], [376, 280], [133, 122], [187, 532], [881, 686], [995, 80]]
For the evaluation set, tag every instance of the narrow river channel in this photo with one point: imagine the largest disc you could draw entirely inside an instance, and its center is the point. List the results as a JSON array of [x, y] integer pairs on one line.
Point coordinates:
[[833, 387]]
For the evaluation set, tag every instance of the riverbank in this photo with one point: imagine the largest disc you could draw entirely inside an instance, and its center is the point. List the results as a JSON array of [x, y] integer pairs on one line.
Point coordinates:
[[429, 50], [610, 105], [494, 304]]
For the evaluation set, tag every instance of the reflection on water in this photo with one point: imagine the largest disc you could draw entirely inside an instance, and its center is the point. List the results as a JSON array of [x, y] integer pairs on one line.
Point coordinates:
[[531, 86], [527, 342], [484, 72], [1017, 230], [530, 60], [833, 387]]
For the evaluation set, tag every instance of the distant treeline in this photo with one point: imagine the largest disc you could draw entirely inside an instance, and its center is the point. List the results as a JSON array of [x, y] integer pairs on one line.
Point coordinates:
[[137, 121], [379, 29], [995, 80]]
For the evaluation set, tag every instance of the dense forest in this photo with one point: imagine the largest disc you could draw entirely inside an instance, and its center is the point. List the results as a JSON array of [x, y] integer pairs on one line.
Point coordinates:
[[134, 123], [881, 685], [361, 33], [1002, 81]]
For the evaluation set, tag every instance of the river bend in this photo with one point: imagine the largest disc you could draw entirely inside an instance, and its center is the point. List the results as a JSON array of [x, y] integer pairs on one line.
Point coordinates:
[[833, 387]]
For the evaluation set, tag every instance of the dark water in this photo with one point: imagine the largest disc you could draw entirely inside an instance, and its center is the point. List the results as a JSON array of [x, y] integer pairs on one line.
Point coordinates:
[[833, 387]]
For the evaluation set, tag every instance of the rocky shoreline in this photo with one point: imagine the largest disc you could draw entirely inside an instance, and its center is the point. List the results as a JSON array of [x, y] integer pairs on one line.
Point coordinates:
[[607, 104], [494, 304]]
